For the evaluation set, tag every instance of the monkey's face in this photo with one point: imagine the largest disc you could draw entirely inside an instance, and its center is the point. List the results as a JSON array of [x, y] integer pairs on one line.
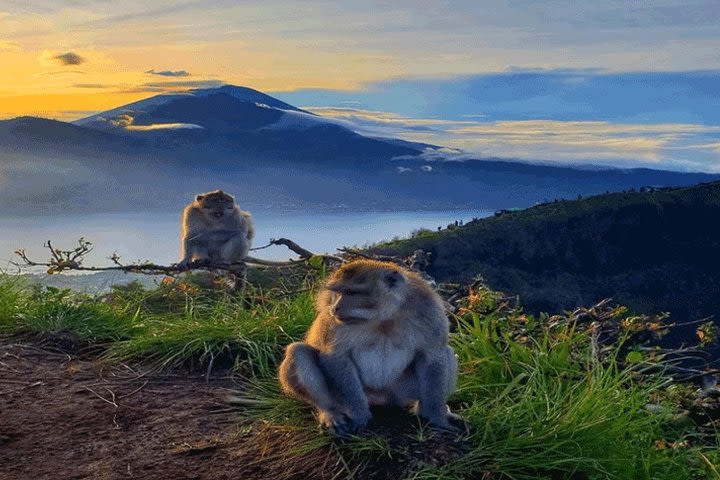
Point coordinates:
[[366, 292], [216, 204]]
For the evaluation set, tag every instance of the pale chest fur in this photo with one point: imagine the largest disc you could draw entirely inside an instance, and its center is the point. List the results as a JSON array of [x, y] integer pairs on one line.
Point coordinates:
[[381, 361]]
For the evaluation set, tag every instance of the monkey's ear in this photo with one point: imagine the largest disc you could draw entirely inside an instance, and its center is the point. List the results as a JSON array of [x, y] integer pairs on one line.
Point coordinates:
[[199, 197], [393, 278]]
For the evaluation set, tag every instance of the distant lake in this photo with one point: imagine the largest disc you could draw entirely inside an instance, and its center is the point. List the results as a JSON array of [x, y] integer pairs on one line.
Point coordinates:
[[155, 236]]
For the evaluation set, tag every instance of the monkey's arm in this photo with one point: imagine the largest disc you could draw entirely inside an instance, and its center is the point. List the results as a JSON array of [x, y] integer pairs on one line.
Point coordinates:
[[250, 227], [328, 384], [436, 373], [190, 246]]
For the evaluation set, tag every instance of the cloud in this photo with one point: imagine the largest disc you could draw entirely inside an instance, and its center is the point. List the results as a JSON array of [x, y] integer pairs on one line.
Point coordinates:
[[74, 114], [168, 73], [126, 122], [674, 146], [92, 85], [69, 58], [8, 45], [172, 86], [64, 72], [164, 126], [123, 120], [184, 84], [404, 169]]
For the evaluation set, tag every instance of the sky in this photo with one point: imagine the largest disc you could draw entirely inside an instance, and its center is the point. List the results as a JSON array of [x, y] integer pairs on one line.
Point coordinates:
[[611, 82]]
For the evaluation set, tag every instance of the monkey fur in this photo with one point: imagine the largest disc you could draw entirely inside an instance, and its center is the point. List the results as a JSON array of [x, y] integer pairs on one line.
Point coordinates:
[[380, 337], [214, 230]]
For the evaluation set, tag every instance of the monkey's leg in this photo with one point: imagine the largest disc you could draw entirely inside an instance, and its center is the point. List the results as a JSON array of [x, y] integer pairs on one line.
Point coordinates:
[[194, 250], [300, 375], [234, 249], [343, 379], [436, 380]]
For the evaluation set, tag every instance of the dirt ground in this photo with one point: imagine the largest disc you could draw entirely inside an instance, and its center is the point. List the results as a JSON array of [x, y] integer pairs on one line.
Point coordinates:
[[64, 416]]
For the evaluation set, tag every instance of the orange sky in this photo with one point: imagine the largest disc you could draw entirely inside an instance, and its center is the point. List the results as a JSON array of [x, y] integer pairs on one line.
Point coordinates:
[[62, 59]]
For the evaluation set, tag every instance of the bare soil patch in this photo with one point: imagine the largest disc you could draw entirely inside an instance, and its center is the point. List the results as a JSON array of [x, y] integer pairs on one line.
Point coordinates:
[[63, 416]]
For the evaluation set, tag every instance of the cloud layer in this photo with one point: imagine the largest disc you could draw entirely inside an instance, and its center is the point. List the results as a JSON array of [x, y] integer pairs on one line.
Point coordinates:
[[168, 73], [678, 146], [661, 119]]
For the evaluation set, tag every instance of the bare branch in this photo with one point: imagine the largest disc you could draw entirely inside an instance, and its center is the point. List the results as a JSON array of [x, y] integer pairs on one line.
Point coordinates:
[[304, 254], [61, 260]]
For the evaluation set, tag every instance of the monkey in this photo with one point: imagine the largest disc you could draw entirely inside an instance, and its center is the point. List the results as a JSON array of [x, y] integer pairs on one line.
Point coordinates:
[[379, 338], [214, 229]]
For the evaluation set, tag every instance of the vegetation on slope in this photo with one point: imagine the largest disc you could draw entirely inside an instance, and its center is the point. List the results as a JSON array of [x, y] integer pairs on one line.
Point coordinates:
[[562, 397], [654, 251]]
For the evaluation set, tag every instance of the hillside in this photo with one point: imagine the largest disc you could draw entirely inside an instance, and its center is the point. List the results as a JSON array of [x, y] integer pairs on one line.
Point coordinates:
[[653, 250]]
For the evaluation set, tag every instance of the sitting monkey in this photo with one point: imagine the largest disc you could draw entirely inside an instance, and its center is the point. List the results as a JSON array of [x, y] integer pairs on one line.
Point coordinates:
[[214, 230], [380, 337]]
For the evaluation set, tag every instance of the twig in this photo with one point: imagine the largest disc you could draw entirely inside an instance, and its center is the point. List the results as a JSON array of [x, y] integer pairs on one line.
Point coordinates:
[[103, 398], [22, 388], [134, 391], [209, 368], [305, 254], [262, 248]]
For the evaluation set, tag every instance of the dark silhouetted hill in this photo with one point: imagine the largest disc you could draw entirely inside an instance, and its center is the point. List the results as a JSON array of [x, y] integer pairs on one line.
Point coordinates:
[[655, 250]]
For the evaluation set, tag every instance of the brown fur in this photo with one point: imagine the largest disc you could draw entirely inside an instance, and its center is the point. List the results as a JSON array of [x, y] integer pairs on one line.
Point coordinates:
[[214, 229], [380, 336]]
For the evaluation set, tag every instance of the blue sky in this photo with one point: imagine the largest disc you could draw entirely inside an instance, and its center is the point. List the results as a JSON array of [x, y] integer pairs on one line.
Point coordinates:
[[665, 120]]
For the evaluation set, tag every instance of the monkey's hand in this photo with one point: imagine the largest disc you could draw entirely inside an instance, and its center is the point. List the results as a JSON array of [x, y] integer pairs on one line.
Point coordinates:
[[183, 264], [340, 425], [188, 264]]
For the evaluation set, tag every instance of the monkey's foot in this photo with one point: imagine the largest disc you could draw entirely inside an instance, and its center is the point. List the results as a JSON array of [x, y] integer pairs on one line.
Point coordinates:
[[458, 423], [190, 264], [340, 425], [200, 262], [450, 423]]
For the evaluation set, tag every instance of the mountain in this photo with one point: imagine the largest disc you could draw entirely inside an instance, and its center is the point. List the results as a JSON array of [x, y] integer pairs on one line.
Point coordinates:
[[233, 121], [243, 95], [655, 250], [156, 153], [242, 120]]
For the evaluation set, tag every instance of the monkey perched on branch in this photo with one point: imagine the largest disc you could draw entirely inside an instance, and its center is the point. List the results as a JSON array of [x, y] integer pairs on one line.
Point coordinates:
[[380, 337], [214, 230]]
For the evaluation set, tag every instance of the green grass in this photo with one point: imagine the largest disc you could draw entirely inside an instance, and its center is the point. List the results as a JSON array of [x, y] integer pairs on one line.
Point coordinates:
[[542, 397], [172, 325], [542, 405], [37, 310]]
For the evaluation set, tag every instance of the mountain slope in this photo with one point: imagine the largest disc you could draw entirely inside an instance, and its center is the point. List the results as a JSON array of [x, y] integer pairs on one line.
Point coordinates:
[[29, 133], [654, 251]]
